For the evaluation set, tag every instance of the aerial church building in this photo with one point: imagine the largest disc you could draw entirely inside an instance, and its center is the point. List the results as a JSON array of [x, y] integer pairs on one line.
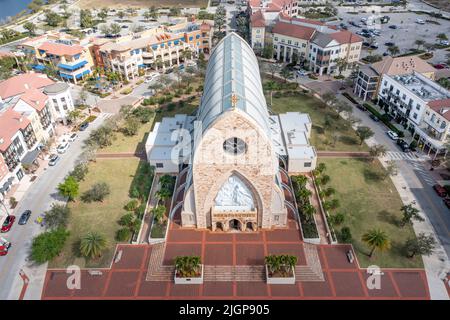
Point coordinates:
[[230, 154]]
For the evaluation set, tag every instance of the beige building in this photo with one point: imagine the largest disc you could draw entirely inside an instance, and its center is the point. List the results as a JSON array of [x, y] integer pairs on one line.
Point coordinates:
[[232, 155], [369, 76]]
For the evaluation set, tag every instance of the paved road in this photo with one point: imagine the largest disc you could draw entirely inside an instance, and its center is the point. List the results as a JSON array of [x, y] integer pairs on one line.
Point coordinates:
[[418, 179], [38, 199]]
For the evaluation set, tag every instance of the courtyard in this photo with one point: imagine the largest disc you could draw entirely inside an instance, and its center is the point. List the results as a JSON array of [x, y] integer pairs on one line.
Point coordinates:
[[330, 132], [369, 202], [100, 217]]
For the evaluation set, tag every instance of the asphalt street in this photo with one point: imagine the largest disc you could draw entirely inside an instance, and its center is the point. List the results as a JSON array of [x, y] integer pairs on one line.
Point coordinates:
[[39, 197]]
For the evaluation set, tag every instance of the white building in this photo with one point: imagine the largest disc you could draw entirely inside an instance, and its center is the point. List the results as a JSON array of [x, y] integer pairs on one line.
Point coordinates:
[[421, 105], [60, 99]]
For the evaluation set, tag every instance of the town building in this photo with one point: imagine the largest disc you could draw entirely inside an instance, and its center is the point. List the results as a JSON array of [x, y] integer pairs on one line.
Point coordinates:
[[290, 7], [313, 44], [31, 104], [369, 76], [70, 56], [156, 48], [232, 154], [421, 105]]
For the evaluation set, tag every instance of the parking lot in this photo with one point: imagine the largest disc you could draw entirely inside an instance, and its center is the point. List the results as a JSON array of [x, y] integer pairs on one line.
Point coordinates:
[[407, 32]]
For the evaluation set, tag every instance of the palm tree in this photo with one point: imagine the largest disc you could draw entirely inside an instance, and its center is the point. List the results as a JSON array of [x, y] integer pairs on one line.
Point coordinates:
[[286, 74], [393, 50], [158, 213], [376, 239], [92, 245], [308, 210], [419, 43], [187, 266]]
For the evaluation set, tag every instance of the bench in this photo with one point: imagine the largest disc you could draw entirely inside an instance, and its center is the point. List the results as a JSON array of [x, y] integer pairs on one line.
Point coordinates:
[[118, 256], [350, 256], [95, 272]]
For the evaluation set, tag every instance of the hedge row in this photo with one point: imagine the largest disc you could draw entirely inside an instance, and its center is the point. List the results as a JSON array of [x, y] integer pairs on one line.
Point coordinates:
[[384, 119]]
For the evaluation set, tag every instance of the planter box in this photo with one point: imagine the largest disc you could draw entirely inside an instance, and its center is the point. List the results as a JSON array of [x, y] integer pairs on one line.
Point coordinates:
[[194, 280], [279, 280]]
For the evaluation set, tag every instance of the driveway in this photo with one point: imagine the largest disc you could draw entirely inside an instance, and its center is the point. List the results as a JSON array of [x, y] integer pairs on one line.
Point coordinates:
[[39, 198]]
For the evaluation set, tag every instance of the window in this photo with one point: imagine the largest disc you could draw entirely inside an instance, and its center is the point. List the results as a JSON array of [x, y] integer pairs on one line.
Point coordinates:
[[276, 217], [415, 116], [418, 107], [307, 165], [159, 165], [289, 42], [404, 97], [234, 146]]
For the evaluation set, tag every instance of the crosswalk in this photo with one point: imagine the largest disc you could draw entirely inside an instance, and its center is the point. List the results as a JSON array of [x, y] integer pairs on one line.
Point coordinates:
[[396, 155], [423, 172]]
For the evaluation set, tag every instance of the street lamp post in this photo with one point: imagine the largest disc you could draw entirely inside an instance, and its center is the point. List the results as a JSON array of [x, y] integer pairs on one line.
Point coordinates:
[[4, 206]]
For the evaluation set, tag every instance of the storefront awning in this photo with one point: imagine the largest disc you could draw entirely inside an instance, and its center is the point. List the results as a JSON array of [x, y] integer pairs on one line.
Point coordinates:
[[30, 157], [72, 67]]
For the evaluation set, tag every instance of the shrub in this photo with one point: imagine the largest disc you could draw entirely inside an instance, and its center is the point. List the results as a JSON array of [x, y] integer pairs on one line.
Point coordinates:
[[135, 193], [346, 235], [69, 188], [337, 219], [131, 126], [132, 205], [79, 171], [123, 234], [97, 192], [57, 216], [48, 245]]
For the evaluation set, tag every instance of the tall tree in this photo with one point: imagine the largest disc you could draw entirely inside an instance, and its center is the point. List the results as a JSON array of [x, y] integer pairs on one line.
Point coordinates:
[[220, 18], [57, 216], [376, 239], [377, 150], [423, 245], [69, 188], [410, 213], [364, 133], [30, 27], [48, 245]]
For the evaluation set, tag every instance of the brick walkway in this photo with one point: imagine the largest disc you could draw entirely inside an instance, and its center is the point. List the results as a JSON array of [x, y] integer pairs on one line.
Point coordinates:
[[145, 271], [342, 280]]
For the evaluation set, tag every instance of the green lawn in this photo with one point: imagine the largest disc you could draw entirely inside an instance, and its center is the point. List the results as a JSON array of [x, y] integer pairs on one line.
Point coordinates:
[[188, 108], [97, 216], [370, 203], [125, 143], [330, 132]]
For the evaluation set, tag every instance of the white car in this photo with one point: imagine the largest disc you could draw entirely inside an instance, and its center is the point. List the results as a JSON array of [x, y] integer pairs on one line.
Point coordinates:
[[190, 63], [444, 42], [392, 135], [420, 21], [151, 77], [72, 137], [62, 148]]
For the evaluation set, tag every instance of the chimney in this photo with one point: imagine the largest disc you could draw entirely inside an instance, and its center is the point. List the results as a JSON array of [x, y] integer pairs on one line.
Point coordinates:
[[1, 140], [27, 86]]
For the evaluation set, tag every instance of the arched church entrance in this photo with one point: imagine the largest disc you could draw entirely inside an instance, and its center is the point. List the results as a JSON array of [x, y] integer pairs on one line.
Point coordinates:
[[234, 225], [234, 206]]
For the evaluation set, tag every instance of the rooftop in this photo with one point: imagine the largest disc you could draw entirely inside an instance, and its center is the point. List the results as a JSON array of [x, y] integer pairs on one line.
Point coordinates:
[[422, 87], [10, 122], [35, 99], [402, 65], [61, 49], [56, 88], [19, 84]]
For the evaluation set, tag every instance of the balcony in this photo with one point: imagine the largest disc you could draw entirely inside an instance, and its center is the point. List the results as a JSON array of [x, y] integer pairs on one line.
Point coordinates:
[[72, 66]]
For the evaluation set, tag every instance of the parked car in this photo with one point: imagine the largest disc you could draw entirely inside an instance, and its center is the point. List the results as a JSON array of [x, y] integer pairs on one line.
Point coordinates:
[[24, 217], [361, 107], [385, 54], [389, 44], [191, 63], [83, 126], [62, 148], [393, 26], [403, 145], [439, 66], [374, 46], [72, 137], [420, 21], [447, 202], [54, 158], [7, 224], [4, 246], [392, 135], [374, 117], [444, 42], [440, 190]]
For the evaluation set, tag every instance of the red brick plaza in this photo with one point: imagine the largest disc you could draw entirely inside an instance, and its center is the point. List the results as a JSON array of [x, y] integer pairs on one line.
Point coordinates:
[[126, 279]]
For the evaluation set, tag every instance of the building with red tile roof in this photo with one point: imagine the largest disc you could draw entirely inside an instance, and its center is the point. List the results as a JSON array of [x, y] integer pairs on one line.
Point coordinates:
[[19, 84]]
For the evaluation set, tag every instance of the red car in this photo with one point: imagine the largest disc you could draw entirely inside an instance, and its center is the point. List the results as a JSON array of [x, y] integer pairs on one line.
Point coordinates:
[[9, 221], [439, 66], [440, 190], [4, 246], [447, 202]]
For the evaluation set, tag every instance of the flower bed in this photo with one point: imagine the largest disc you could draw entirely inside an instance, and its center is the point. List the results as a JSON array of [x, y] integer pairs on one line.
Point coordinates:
[[306, 210], [188, 270], [280, 269]]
